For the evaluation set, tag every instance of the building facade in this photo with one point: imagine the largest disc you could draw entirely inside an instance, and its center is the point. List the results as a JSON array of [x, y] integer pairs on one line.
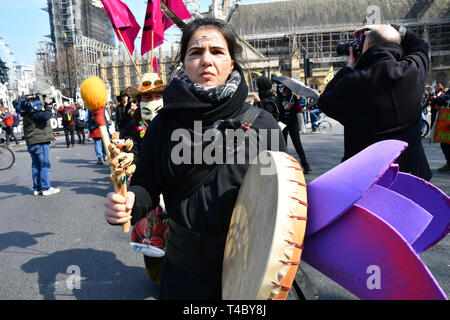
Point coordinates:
[[80, 32], [277, 36], [289, 30]]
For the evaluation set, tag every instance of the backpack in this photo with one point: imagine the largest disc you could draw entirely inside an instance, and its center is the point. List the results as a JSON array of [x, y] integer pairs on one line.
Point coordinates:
[[67, 116], [91, 124], [16, 121], [271, 106]]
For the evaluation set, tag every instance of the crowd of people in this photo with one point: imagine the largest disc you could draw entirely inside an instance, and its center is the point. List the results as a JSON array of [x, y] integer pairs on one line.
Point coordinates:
[[435, 99], [199, 199]]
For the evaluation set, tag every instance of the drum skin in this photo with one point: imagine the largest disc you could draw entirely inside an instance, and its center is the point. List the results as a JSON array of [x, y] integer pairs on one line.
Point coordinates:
[[265, 238]]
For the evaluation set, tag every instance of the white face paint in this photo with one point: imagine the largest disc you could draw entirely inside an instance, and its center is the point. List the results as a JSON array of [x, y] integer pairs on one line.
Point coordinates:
[[149, 109]]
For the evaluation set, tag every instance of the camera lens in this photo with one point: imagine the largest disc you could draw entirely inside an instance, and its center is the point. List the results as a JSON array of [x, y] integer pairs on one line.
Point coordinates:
[[342, 49]]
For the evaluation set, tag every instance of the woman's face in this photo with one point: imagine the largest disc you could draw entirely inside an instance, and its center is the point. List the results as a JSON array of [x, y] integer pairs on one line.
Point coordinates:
[[208, 61]]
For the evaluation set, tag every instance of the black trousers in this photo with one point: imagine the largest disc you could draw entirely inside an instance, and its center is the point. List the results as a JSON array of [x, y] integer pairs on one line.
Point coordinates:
[[294, 131], [9, 132], [80, 134], [434, 114], [446, 150], [69, 131]]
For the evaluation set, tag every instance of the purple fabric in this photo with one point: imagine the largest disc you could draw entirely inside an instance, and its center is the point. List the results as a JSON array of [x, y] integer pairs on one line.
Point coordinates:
[[358, 247], [331, 194], [365, 213], [389, 176], [433, 200], [402, 214]]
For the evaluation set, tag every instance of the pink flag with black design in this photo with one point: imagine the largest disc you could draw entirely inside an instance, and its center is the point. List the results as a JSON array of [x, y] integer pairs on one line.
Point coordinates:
[[123, 21], [178, 7], [153, 22]]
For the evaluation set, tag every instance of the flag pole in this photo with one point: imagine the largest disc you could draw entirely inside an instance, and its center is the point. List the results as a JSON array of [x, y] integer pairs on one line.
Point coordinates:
[[129, 53], [151, 59]]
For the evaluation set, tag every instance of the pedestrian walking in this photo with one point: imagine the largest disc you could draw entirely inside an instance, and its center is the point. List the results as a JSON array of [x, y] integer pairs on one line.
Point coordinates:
[[8, 120], [66, 112], [289, 108], [94, 133], [80, 123]]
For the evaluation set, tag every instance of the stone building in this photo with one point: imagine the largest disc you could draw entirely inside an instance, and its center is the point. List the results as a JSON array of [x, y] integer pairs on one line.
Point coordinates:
[[290, 29], [80, 32], [277, 35], [119, 72]]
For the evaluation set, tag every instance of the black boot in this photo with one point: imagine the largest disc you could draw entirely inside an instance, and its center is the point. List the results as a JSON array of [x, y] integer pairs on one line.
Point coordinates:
[[306, 168]]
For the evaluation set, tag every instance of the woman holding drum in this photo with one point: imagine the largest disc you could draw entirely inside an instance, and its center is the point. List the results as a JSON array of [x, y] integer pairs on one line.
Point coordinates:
[[199, 194]]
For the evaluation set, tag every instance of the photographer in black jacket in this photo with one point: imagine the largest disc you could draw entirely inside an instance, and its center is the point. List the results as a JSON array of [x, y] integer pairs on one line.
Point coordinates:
[[377, 96]]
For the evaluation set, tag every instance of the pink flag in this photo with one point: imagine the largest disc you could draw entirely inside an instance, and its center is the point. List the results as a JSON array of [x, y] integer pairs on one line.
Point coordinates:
[[178, 7], [153, 21], [155, 66], [123, 22]]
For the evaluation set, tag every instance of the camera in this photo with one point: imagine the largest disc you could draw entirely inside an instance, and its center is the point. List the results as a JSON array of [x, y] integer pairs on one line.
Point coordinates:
[[29, 103], [48, 101], [343, 48]]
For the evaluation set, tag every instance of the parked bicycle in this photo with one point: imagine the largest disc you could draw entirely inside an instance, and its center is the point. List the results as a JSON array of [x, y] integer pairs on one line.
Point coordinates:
[[323, 125], [7, 157]]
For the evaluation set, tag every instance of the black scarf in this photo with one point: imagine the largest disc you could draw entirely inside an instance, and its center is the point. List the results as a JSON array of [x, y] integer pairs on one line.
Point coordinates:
[[183, 102], [215, 94]]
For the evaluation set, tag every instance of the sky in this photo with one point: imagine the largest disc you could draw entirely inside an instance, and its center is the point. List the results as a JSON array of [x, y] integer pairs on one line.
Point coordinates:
[[23, 24]]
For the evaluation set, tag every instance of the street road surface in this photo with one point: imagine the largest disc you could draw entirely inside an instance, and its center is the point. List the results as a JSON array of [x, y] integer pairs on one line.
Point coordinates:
[[45, 242]]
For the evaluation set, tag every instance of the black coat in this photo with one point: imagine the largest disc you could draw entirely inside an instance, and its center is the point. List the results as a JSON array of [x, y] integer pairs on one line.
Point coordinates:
[[123, 116], [380, 99], [79, 121], [269, 102], [206, 210], [288, 117], [131, 132]]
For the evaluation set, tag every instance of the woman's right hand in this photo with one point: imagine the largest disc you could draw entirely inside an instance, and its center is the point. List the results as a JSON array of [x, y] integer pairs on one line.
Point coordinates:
[[118, 208]]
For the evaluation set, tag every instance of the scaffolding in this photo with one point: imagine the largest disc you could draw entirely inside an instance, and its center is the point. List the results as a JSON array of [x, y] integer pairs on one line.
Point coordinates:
[[80, 32], [46, 65], [87, 55], [319, 43]]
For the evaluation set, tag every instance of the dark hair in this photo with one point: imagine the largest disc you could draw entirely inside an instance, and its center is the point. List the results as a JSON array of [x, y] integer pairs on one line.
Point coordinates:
[[224, 28], [264, 84], [137, 116]]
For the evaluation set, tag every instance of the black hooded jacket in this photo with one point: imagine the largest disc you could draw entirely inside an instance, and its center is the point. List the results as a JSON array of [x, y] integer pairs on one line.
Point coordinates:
[[269, 102], [380, 99], [207, 207]]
